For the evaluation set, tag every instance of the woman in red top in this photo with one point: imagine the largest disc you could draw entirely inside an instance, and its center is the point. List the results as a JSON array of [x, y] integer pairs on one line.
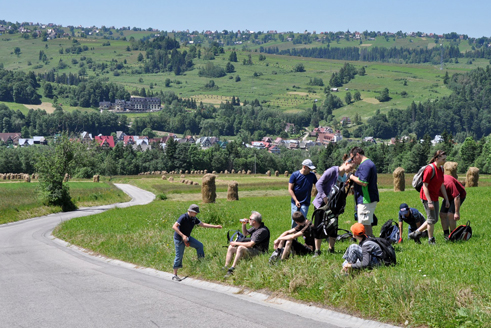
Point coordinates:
[[432, 187]]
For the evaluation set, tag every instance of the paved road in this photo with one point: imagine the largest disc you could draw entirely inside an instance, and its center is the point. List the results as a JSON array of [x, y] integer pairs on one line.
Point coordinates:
[[45, 282]]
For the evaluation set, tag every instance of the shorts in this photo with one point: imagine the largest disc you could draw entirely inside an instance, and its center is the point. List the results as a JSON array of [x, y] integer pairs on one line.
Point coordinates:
[[301, 249], [431, 216], [451, 208], [365, 213], [253, 252]]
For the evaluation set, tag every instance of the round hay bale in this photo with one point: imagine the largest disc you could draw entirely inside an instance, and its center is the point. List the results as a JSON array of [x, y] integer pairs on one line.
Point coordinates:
[[165, 172], [27, 178], [3, 176], [205, 171], [164, 177], [286, 173], [182, 181], [226, 171], [196, 183], [171, 179], [183, 176], [233, 191], [214, 172], [221, 172], [66, 178], [451, 169], [95, 178], [268, 173], [186, 172], [276, 173], [249, 172], [399, 179], [181, 172], [472, 177], [208, 188], [233, 171]]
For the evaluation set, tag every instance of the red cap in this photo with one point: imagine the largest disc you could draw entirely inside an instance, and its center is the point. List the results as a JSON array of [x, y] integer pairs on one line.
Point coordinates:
[[358, 229]]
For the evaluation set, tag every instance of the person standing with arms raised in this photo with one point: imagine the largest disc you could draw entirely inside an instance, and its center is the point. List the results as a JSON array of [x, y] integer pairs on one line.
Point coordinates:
[[365, 186]]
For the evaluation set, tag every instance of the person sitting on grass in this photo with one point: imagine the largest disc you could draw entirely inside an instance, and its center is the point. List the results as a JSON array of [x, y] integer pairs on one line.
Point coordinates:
[[288, 239], [366, 254], [413, 218], [257, 244], [182, 236]]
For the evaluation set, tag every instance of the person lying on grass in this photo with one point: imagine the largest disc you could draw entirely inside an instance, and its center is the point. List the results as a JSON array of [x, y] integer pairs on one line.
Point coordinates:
[[288, 239], [257, 244], [362, 256], [182, 236]]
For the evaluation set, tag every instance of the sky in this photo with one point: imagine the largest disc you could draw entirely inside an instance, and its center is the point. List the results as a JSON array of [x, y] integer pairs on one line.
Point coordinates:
[[471, 17]]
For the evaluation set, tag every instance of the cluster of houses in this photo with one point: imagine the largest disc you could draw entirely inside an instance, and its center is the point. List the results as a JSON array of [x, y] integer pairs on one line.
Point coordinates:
[[140, 104]]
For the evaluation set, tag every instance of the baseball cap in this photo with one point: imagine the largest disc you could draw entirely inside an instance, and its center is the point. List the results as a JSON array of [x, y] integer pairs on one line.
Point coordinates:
[[358, 229], [309, 164], [193, 208], [404, 209]]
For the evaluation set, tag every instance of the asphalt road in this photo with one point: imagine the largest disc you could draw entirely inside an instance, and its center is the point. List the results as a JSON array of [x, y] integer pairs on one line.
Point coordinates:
[[44, 282]]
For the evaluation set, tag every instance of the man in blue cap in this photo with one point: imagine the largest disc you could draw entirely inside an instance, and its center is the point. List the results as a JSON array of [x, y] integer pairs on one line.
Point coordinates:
[[412, 217]]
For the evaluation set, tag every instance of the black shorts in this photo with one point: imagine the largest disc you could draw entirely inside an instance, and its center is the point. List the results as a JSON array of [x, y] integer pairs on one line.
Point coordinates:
[[301, 249], [451, 208]]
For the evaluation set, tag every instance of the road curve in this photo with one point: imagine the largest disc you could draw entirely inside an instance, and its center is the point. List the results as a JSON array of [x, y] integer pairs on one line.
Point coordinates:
[[44, 282]]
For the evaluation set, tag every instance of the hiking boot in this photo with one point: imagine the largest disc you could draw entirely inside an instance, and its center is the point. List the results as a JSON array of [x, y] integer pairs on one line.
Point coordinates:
[[317, 254], [229, 272], [415, 234], [176, 278], [432, 241], [417, 241], [275, 256]]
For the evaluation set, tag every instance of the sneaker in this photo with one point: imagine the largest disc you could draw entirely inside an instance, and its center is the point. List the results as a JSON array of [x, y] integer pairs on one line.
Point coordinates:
[[176, 278], [432, 241], [415, 234], [317, 254], [445, 237], [275, 256], [417, 241], [229, 272]]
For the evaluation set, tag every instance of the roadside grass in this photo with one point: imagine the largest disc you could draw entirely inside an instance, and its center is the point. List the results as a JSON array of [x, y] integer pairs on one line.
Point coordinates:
[[448, 285], [20, 201]]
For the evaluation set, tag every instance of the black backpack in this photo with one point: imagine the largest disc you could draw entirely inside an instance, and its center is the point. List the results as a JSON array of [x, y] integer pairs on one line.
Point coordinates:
[[328, 225], [462, 232], [236, 235], [390, 231], [347, 235], [388, 253], [336, 200]]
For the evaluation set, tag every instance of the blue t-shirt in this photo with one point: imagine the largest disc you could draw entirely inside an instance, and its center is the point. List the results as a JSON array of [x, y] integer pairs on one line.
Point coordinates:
[[302, 186], [366, 172], [186, 225], [414, 217]]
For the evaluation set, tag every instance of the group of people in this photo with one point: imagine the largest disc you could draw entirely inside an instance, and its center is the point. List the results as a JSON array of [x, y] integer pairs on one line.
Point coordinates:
[[364, 180]]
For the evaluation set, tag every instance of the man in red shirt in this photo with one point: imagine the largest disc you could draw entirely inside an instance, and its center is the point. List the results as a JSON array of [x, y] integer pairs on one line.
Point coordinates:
[[456, 196]]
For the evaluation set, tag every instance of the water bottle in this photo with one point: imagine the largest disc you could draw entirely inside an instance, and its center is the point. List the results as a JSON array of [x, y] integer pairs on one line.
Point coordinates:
[[244, 220]]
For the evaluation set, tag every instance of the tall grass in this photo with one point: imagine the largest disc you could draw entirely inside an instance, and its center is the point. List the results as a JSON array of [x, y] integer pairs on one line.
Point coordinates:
[[447, 285]]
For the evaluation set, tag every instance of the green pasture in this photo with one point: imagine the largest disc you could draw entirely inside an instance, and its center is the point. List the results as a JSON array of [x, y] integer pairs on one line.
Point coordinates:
[[19, 200], [446, 285]]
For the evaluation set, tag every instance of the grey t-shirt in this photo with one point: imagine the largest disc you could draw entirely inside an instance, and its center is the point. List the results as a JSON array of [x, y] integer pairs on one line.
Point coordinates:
[[260, 236]]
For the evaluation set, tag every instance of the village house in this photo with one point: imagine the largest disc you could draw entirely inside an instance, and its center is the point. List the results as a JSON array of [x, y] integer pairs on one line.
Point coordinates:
[[134, 104], [105, 142], [10, 138]]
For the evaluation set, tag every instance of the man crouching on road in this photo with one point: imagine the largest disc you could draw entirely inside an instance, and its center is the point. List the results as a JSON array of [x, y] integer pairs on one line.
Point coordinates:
[[182, 236], [258, 242]]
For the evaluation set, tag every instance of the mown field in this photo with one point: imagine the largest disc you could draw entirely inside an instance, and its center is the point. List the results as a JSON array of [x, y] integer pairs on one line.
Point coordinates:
[[275, 84], [19, 200], [447, 285]]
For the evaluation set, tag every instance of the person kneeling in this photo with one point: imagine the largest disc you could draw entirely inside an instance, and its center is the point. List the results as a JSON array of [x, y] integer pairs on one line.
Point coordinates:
[[287, 240], [257, 244], [366, 254]]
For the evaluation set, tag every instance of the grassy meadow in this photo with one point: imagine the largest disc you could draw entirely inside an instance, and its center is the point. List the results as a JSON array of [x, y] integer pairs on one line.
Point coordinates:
[[19, 201], [446, 285]]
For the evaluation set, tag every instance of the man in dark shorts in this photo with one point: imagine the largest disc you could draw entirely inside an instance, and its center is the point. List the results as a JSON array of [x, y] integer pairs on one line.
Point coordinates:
[[287, 241], [413, 218], [456, 195], [257, 244]]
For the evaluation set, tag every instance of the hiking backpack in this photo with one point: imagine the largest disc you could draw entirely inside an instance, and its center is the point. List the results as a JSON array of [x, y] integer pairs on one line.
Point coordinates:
[[236, 236], [388, 253], [347, 235], [462, 232], [390, 231], [418, 177], [329, 222], [336, 200]]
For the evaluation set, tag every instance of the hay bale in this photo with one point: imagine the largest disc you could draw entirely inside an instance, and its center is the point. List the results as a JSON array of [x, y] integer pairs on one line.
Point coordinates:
[[244, 172], [214, 172], [183, 176], [286, 173], [181, 171], [66, 178], [205, 171], [472, 177], [268, 173], [208, 188], [221, 172], [462, 181], [182, 181], [3, 176], [399, 179], [27, 178], [233, 171], [196, 183], [164, 177], [249, 172], [233, 191], [171, 179], [165, 172], [276, 173], [95, 178], [186, 172], [451, 169]]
